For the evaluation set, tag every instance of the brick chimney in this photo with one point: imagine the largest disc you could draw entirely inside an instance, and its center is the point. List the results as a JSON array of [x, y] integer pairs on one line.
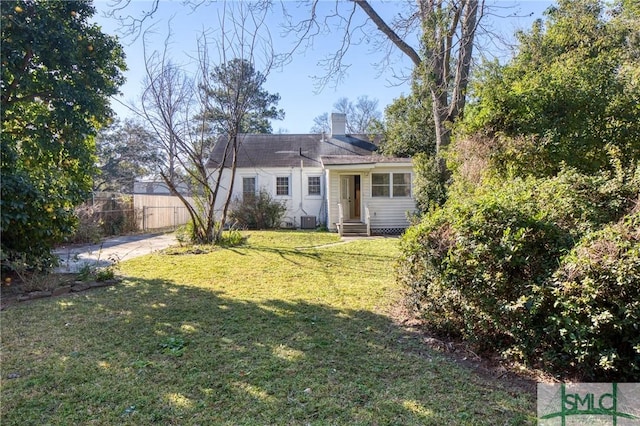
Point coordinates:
[[338, 124]]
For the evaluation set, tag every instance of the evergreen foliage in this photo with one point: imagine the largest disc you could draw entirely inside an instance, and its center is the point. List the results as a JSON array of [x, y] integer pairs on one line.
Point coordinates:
[[260, 211], [408, 127], [58, 71], [126, 151], [484, 267], [536, 251], [238, 102], [569, 95]]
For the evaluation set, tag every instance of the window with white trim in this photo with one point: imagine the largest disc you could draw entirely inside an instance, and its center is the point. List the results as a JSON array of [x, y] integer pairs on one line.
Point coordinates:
[[282, 185], [313, 185], [401, 185], [248, 187], [380, 184], [393, 185]]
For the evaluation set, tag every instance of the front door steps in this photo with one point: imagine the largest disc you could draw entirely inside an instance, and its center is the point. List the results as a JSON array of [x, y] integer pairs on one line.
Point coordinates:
[[353, 229]]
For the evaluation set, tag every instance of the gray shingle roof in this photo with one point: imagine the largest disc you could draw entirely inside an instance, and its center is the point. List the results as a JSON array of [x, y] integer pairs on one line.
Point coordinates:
[[286, 150]]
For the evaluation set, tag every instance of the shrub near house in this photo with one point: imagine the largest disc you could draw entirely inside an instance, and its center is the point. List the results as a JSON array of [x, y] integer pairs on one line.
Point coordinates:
[[258, 212]]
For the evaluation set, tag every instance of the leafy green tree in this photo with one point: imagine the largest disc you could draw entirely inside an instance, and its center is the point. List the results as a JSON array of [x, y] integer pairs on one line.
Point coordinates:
[[571, 93], [125, 151], [237, 98], [429, 190], [408, 131], [236, 104], [408, 127], [58, 70]]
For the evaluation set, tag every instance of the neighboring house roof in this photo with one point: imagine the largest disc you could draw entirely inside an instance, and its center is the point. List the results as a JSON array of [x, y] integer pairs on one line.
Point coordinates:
[[156, 185], [287, 150]]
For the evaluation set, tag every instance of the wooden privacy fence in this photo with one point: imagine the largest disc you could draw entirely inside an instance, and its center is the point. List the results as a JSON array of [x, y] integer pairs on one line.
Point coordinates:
[[160, 211]]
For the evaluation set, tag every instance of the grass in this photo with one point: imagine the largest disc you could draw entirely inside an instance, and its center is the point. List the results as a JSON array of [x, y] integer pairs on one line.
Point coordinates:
[[279, 331]]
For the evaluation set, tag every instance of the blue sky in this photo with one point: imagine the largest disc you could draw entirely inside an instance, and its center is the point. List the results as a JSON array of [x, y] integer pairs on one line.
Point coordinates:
[[299, 97]]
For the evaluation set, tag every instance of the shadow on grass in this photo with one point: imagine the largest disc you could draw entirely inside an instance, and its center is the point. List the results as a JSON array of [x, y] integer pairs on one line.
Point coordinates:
[[357, 260], [152, 351]]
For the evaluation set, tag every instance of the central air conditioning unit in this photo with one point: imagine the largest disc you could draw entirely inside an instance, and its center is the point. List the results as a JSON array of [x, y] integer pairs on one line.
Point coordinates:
[[307, 222]]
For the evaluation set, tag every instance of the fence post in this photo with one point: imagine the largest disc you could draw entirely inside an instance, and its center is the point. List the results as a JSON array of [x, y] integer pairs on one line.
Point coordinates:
[[175, 217], [144, 218]]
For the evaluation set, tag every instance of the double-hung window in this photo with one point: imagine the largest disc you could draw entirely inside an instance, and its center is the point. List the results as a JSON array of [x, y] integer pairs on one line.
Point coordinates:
[[393, 185], [248, 187], [313, 187], [402, 184], [282, 185], [380, 185]]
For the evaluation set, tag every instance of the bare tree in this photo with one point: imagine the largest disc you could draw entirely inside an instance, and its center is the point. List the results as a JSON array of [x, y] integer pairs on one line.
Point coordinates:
[[165, 104], [448, 39], [360, 115], [437, 36], [168, 104], [190, 115], [321, 124], [446, 32], [363, 114]]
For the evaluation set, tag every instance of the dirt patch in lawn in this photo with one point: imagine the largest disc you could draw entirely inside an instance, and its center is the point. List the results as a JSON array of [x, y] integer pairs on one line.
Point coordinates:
[[514, 377]]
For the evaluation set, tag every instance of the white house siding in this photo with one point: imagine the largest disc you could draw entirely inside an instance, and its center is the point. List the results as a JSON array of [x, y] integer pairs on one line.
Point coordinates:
[[298, 203], [387, 214], [333, 191], [390, 214]]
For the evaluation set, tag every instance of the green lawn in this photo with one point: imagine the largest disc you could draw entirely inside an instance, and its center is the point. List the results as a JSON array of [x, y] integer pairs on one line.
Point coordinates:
[[279, 331]]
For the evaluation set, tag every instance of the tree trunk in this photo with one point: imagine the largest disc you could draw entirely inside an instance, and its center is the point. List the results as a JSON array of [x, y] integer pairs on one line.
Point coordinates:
[[440, 118], [448, 86], [234, 164]]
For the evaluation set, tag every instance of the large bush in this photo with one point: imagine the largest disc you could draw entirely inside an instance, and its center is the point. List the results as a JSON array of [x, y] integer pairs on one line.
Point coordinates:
[[594, 304], [532, 253], [482, 266], [429, 189]]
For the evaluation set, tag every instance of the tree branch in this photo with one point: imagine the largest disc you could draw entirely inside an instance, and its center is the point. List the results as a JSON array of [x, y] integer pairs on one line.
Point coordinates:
[[389, 32]]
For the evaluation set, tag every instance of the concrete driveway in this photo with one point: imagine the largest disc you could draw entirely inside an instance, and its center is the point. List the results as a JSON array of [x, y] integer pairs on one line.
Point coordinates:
[[74, 258]]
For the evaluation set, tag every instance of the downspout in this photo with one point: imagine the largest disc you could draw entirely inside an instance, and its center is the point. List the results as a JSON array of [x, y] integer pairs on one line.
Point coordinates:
[[324, 207], [301, 208]]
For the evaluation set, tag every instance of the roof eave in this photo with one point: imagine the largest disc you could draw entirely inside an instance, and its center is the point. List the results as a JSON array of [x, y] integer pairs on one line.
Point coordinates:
[[367, 165], [363, 167]]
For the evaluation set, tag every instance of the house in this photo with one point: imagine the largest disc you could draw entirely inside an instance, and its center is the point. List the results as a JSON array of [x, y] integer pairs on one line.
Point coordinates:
[[157, 186], [336, 180]]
